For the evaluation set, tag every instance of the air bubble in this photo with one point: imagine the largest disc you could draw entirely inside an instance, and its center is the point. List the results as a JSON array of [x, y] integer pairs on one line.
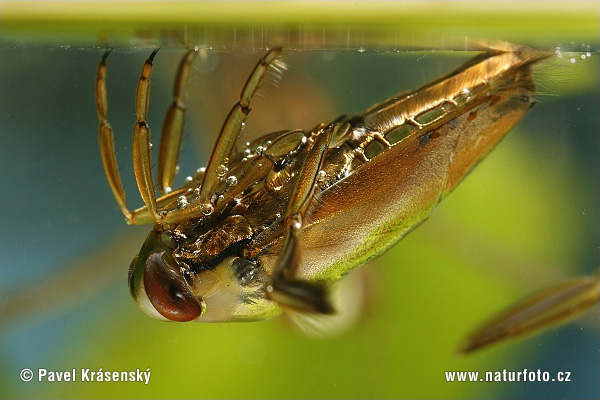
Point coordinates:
[[182, 201], [168, 189], [150, 145], [259, 150], [207, 209], [201, 170], [361, 49], [177, 169], [222, 170], [231, 180], [247, 152], [297, 223], [321, 176], [189, 179], [572, 60]]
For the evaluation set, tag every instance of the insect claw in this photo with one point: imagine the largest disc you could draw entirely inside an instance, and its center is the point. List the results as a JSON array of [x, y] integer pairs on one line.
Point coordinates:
[[151, 58], [105, 56]]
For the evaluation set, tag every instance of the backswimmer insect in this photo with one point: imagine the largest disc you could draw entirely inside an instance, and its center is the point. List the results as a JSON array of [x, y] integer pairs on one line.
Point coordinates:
[[270, 227]]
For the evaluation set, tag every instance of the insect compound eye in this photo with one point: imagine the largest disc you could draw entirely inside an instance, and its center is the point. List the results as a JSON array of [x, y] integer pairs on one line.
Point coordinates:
[[167, 290]]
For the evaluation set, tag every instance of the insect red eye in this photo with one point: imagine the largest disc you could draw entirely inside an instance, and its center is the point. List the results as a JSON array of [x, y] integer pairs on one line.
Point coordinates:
[[168, 291]]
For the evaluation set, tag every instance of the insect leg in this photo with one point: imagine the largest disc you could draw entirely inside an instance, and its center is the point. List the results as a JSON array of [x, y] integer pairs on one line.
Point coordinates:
[[141, 216], [142, 163], [172, 131], [285, 288], [233, 125], [106, 139], [555, 305]]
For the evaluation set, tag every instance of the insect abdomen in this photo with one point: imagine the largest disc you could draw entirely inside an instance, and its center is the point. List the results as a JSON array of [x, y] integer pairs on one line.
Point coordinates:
[[435, 136]]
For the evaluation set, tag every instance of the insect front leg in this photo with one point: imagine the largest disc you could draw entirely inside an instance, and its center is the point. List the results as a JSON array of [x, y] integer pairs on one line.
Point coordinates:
[[230, 131], [285, 288], [232, 126], [142, 160], [172, 132], [141, 144], [107, 141]]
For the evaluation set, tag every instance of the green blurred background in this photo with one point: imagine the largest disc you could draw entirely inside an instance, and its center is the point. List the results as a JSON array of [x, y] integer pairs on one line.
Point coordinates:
[[526, 218]]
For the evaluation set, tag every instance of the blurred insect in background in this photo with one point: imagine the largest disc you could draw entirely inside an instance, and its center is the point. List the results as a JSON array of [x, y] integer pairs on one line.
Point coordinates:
[[272, 225]]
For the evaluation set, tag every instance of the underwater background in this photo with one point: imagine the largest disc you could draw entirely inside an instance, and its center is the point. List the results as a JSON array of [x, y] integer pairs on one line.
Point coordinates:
[[523, 220]]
